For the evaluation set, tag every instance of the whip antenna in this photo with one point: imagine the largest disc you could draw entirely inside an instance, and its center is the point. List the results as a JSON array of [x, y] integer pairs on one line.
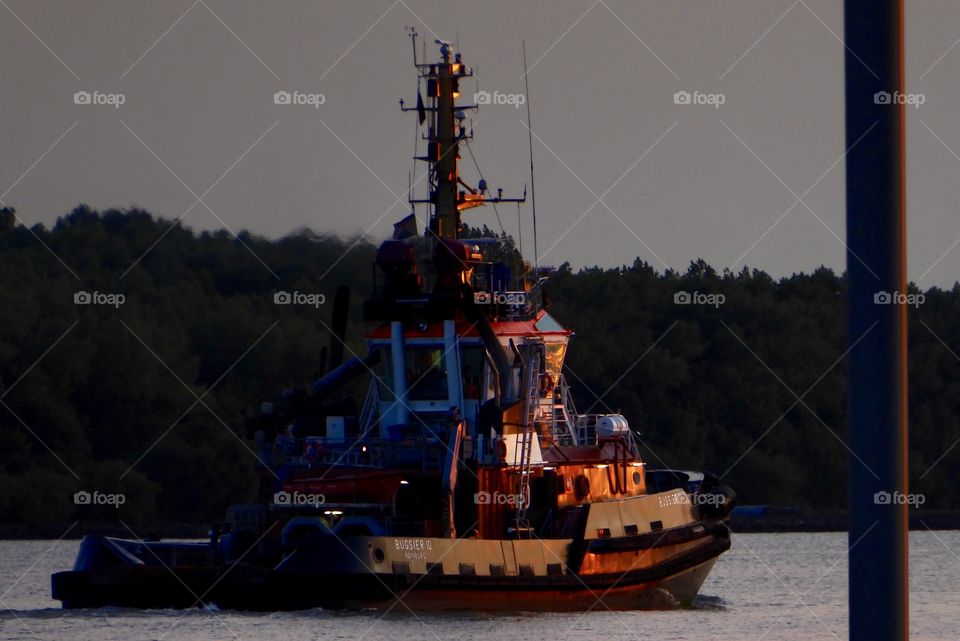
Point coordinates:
[[533, 189]]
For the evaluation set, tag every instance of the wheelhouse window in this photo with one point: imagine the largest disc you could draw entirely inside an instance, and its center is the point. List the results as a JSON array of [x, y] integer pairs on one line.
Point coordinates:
[[426, 372]]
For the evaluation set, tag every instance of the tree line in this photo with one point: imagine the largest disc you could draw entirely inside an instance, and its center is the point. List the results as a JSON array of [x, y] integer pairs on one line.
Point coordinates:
[[133, 350]]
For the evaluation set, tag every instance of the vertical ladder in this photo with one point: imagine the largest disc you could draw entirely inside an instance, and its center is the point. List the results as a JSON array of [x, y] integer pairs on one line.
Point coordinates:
[[564, 414], [526, 443]]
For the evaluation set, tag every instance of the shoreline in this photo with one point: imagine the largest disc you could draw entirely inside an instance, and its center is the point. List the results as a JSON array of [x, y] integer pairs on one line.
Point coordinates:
[[795, 521], [779, 521]]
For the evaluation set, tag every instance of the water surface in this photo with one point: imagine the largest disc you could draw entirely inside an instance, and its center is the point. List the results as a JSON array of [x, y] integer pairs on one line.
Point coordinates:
[[768, 586]]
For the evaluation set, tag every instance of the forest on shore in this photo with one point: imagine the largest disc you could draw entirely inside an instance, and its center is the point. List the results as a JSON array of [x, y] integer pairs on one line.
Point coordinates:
[[132, 350]]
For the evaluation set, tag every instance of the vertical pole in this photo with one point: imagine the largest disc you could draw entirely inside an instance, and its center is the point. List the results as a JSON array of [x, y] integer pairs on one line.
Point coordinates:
[[451, 352], [398, 414], [448, 150], [876, 257]]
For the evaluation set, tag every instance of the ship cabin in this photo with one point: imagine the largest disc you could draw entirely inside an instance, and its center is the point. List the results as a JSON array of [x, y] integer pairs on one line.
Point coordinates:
[[468, 425], [431, 372]]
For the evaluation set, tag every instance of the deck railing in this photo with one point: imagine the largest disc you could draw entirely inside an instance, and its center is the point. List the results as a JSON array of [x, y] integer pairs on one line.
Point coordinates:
[[425, 453]]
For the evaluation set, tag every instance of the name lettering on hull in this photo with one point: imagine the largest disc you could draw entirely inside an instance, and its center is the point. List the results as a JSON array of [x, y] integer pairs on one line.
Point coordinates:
[[413, 549]]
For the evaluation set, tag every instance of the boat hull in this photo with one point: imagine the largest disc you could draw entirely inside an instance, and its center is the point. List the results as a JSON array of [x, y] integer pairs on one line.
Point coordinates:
[[435, 574], [678, 590], [671, 584]]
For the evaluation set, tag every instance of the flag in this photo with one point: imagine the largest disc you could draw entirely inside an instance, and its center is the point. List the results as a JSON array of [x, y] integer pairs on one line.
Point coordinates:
[[421, 110], [406, 228]]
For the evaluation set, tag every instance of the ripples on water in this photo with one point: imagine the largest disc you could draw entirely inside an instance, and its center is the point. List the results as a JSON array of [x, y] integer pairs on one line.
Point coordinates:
[[769, 586]]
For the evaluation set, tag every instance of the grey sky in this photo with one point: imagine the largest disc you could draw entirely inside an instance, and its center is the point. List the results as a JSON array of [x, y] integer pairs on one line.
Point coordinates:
[[199, 78]]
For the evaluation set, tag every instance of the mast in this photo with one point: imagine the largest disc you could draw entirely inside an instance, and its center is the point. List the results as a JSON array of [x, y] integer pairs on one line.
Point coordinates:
[[445, 131], [444, 144]]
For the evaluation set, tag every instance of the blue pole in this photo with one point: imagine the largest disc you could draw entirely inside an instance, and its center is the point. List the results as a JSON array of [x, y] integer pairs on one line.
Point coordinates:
[[876, 216]]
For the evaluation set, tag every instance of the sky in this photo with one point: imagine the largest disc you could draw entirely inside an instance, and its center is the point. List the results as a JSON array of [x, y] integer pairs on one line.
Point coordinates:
[[182, 121]]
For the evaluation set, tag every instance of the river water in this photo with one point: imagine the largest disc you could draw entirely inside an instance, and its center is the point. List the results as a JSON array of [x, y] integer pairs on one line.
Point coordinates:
[[768, 586]]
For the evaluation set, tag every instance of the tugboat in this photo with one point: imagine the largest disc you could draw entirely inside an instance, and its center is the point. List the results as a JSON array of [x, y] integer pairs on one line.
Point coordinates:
[[467, 480]]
